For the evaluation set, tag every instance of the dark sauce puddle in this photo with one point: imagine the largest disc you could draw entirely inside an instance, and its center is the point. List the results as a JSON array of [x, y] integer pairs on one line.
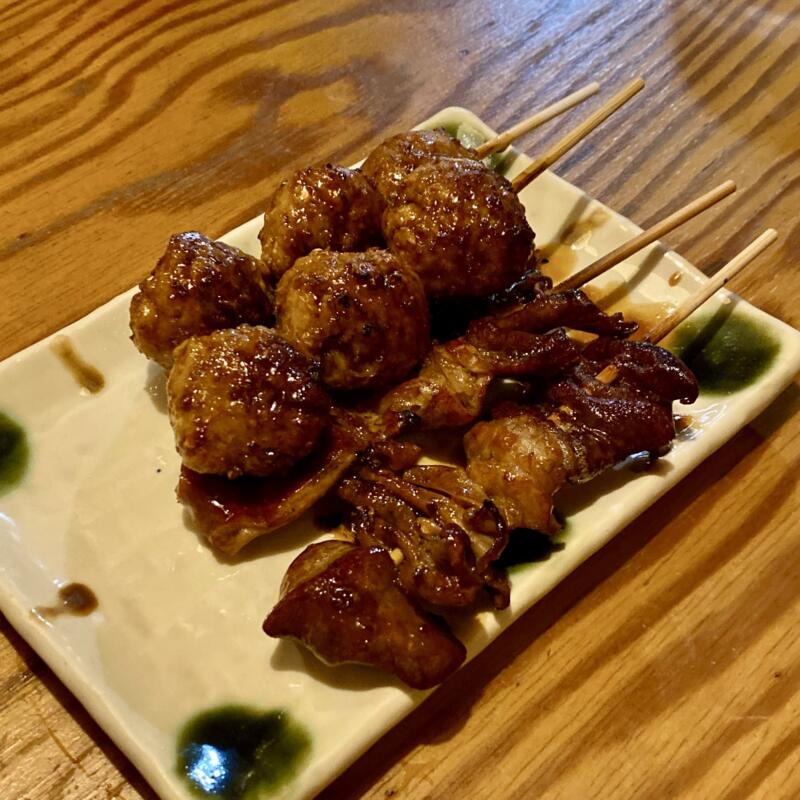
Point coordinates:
[[14, 453], [76, 599], [236, 752], [726, 351]]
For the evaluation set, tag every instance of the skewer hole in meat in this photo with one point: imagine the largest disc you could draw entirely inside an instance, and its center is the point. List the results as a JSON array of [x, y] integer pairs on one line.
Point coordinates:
[[244, 401], [362, 315]]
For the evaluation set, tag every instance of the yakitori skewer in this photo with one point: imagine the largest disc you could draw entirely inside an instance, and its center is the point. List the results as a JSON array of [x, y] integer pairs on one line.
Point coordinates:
[[647, 237], [522, 458], [577, 134], [430, 394], [411, 527], [503, 140]]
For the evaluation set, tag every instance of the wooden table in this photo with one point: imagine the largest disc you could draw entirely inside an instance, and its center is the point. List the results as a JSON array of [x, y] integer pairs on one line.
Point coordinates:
[[668, 664]]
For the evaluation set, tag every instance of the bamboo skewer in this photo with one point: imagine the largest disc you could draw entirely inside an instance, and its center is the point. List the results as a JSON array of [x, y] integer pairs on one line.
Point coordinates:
[[647, 237], [504, 139], [577, 134], [733, 267]]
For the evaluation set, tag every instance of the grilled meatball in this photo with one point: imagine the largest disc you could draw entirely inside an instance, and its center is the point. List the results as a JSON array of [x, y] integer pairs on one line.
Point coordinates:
[[363, 315], [244, 401], [461, 227], [323, 206], [390, 162], [198, 286]]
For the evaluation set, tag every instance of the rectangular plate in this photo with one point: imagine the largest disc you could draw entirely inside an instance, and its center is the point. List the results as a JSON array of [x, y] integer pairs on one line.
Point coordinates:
[[178, 629]]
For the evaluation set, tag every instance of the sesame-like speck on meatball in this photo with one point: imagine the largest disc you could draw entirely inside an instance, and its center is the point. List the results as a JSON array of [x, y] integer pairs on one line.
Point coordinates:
[[322, 206], [362, 315], [389, 163], [461, 227], [197, 286], [244, 402]]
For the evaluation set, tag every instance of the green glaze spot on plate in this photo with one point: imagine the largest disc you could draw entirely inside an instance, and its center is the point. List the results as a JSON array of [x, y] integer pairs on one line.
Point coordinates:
[[14, 453], [726, 351], [240, 753]]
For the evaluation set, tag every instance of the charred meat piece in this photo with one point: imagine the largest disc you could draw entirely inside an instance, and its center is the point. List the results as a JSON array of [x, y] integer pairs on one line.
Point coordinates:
[[363, 316], [342, 602], [463, 502], [231, 513], [392, 160], [197, 286], [325, 206], [244, 402], [525, 455], [461, 227], [444, 549]]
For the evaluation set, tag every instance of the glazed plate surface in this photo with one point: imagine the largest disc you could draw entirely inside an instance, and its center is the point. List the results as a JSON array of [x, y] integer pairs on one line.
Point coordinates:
[[178, 628]]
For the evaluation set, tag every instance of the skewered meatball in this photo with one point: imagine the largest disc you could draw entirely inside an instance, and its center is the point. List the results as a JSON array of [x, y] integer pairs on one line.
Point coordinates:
[[363, 315], [390, 162], [323, 206], [198, 286], [461, 227], [244, 401]]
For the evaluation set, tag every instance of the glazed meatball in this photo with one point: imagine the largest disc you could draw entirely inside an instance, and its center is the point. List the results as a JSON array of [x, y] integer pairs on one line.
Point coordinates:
[[244, 402], [324, 206], [362, 315], [198, 286], [390, 162], [461, 227]]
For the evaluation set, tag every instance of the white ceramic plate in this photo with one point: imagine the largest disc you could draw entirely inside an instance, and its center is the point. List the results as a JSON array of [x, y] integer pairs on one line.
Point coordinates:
[[178, 629]]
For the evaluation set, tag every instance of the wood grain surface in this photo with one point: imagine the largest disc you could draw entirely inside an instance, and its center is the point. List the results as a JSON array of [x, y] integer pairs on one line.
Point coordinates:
[[667, 665]]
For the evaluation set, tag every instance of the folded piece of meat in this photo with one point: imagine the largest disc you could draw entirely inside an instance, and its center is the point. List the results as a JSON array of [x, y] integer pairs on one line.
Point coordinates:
[[524, 455], [526, 340], [341, 601], [231, 513], [443, 548]]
